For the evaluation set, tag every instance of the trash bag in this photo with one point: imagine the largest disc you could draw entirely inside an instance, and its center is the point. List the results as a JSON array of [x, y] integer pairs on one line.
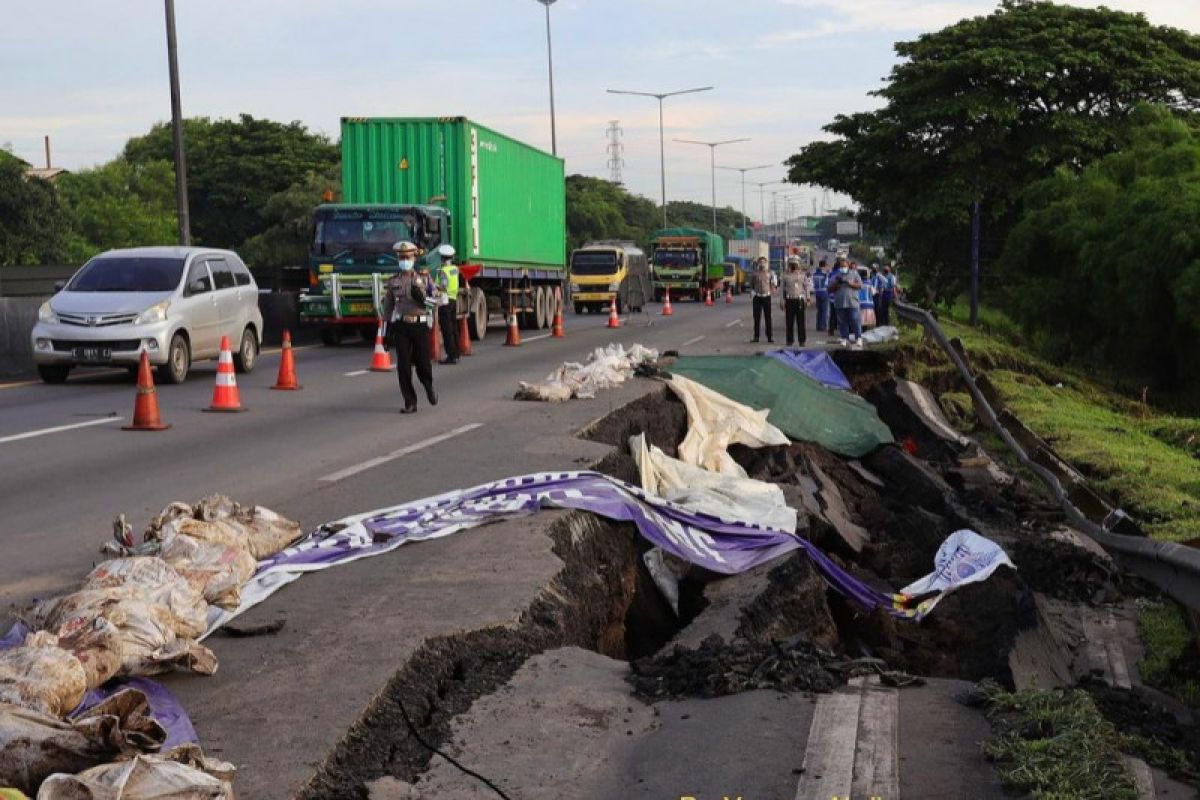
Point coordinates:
[[217, 571], [40, 676], [158, 583], [145, 777], [34, 746]]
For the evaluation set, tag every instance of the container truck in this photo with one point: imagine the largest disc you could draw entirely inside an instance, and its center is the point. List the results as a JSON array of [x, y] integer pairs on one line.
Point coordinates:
[[434, 181], [737, 274], [605, 270], [686, 260], [749, 249]]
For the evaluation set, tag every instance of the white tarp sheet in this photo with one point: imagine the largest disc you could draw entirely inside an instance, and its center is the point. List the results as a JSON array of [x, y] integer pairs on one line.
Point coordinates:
[[715, 422]]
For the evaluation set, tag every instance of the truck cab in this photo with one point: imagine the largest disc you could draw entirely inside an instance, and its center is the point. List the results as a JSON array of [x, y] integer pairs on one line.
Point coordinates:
[[602, 271], [351, 258], [737, 271]]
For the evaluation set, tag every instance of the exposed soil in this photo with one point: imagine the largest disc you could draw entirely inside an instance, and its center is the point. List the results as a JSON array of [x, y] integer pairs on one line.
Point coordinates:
[[1067, 572], [1132, 713], [659, 415]]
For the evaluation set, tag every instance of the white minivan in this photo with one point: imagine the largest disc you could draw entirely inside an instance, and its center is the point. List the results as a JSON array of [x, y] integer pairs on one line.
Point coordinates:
[[174, 303]]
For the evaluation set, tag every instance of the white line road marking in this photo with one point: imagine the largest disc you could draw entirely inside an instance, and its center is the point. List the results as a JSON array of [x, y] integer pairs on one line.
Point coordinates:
[[852, 742], [403, 451], [539, 336], [356, 372], [692, 341], [31, 434], [731, 324]]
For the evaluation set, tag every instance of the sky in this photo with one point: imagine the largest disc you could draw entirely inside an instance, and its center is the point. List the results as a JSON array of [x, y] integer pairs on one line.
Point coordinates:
[[93, 74]]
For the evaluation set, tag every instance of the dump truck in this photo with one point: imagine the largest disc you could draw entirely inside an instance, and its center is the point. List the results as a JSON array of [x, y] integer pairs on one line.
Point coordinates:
[[737, 274], [608, 270], [687, 261], [434, 181]]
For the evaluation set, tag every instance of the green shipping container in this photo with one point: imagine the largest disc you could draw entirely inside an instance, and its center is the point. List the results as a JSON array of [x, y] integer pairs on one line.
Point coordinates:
[[507, 200]]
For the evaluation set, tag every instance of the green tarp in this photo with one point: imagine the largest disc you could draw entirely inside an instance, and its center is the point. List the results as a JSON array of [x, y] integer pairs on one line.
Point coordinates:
[[803, 408]]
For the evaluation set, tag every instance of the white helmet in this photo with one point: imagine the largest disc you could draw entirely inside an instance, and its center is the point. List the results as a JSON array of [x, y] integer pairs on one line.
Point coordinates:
[[446, 251]]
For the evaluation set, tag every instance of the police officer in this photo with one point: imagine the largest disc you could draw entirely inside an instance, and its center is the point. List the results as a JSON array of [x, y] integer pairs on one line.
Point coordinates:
[[820, 282], [447, 300], [796, 289], [761, 284], [408, 325]]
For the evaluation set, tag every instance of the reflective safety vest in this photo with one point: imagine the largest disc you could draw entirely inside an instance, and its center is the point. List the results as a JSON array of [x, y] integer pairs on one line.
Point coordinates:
[[448, 280], [820, 282]]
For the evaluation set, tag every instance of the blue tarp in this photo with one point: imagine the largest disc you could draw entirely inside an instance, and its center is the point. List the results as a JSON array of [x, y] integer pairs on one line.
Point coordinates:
[[815, 364]]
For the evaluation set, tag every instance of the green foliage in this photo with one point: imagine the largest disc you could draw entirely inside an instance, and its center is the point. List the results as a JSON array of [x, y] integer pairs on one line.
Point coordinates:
[[234, 168], [31, 217], [862, 253], [686, 214], [118, 205], [289, 215], [1165, 637], [1120, 240], [978, 110]]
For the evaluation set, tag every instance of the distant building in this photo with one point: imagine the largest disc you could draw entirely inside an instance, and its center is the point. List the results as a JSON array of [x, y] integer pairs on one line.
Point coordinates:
[[45, 173]]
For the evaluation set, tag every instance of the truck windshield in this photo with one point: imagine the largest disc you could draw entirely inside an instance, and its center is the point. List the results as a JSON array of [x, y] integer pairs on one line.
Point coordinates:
[[124, 274], [675, 258], [362, 231], [593, 263]]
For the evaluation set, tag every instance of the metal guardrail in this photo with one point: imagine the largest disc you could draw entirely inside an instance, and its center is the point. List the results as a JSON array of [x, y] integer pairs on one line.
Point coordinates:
[[1173, 567]]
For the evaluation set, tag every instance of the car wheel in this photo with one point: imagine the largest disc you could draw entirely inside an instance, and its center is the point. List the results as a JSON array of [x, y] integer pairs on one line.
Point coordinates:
[[331, 336], [247, 355], [179, 361], [54, 373]]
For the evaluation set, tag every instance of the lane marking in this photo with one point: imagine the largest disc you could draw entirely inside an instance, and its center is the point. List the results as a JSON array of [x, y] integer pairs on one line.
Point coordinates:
[[692, 341], [852, 743], [270, 351], [731, 324], [44, 431], [539, 336], [403, 451], [356, 372]]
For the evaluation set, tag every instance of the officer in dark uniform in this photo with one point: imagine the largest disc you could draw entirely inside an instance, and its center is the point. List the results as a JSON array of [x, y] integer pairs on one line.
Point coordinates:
[[408, 326]]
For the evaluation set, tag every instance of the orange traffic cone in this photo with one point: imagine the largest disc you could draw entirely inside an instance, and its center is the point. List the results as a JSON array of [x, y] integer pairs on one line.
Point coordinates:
[[435, 343], [145, 407], [225, 392], [708, 297], [464, 338], [380, 360], [557, 329], [729, 295], [613, 320], [287, 366], [667, 310], [514, 333]]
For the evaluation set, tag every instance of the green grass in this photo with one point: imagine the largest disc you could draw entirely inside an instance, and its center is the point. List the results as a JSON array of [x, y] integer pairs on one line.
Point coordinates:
[[1165, 637], [1146, 462], [1055, 745]]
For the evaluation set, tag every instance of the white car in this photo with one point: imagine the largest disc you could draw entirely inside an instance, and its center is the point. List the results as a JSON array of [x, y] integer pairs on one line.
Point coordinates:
[[174, 303]]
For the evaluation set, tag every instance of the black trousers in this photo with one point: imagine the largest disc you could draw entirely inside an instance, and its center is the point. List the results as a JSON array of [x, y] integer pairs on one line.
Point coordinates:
[[448, 322], [793, 314], [411, 340], [762, 307]]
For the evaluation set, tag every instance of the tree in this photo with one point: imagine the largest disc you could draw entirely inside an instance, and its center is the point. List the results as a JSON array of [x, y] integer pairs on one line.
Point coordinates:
[[234, 167], [31, 217], [289, 214], [980, 109], [1104, 267], [600, 209], [118, 205], [686, 214]]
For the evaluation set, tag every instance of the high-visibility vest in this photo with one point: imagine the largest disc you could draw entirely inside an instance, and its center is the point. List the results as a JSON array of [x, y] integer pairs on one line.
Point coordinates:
[[448, 280], [820, 282]]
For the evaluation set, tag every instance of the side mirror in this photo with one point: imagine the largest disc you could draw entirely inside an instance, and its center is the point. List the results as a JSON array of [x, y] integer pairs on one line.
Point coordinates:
[[198, 286], [58, 285]]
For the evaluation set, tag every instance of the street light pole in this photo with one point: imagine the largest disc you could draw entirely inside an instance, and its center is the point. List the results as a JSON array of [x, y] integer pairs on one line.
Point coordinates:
[[762, 213], [550, 63], [744, 170], [712, 153], [662, 148], [181, 198]]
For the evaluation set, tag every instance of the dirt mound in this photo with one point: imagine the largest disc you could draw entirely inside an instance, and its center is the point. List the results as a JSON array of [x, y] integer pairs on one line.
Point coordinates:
[[717, 668], [1132, 713], [1065, 571], [659, 415]]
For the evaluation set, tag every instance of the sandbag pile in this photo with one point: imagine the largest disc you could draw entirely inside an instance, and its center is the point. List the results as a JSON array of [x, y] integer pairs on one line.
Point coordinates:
[[606, 367]]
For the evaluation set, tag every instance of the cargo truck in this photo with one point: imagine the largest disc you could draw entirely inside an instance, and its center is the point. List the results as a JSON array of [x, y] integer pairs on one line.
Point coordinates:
[[434, 181], [686, 260], [605, 270]]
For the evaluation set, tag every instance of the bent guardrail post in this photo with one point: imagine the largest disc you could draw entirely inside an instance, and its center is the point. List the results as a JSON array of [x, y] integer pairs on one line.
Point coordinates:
[[1172, 567]]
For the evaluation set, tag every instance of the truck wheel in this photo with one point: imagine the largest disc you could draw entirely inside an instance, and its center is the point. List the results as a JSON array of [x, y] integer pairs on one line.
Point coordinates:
[[367, 333], [54, 373], [477, 316], [331, 336], [579, 308], [539, 308]]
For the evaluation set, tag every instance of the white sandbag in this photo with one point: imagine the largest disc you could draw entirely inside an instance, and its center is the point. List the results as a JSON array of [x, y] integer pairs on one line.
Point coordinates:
[[257, 530], [544, 391], [34, 746], [142, 778], [697, 489], [96, 642], [159, 584], [715, 422], [40, 676], [606, 367], [215, 570], [884, 333]]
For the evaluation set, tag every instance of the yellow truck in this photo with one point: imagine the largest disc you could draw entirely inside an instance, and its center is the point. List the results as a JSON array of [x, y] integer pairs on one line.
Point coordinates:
[[605, 269]]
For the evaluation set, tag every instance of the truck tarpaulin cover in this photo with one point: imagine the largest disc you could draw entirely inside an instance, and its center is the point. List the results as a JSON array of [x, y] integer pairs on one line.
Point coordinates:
[[815, 364], [800, 406]]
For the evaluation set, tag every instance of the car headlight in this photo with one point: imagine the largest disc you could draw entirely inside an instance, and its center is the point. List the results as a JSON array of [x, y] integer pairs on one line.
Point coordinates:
[[46, 314], [613, 287], [153, 314]]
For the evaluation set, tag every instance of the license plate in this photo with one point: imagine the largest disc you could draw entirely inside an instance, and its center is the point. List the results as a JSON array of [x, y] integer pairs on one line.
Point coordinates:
[[93, 353], [362, 308]]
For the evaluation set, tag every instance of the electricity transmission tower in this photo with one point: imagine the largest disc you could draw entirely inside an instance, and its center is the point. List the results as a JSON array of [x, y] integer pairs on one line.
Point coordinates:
[[616, 152]]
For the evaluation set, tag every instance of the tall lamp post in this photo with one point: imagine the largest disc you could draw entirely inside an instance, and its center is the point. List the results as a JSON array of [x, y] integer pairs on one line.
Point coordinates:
[[762, 213], [181, 198], [744, 170], [550, 63], [712, 157], [662, 148]]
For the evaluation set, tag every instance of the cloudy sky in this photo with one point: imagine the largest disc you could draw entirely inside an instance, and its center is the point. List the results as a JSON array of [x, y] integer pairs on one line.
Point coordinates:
[[91, 74]]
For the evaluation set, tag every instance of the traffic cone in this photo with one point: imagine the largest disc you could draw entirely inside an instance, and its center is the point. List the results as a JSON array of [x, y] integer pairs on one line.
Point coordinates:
[[145, 407], [708, 297], [729, 295], [667, 310], [225, 391], [287, 366], [557, 330], [380, 360], [435, 343], [613, 320], [514, 333], [464, 338]]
